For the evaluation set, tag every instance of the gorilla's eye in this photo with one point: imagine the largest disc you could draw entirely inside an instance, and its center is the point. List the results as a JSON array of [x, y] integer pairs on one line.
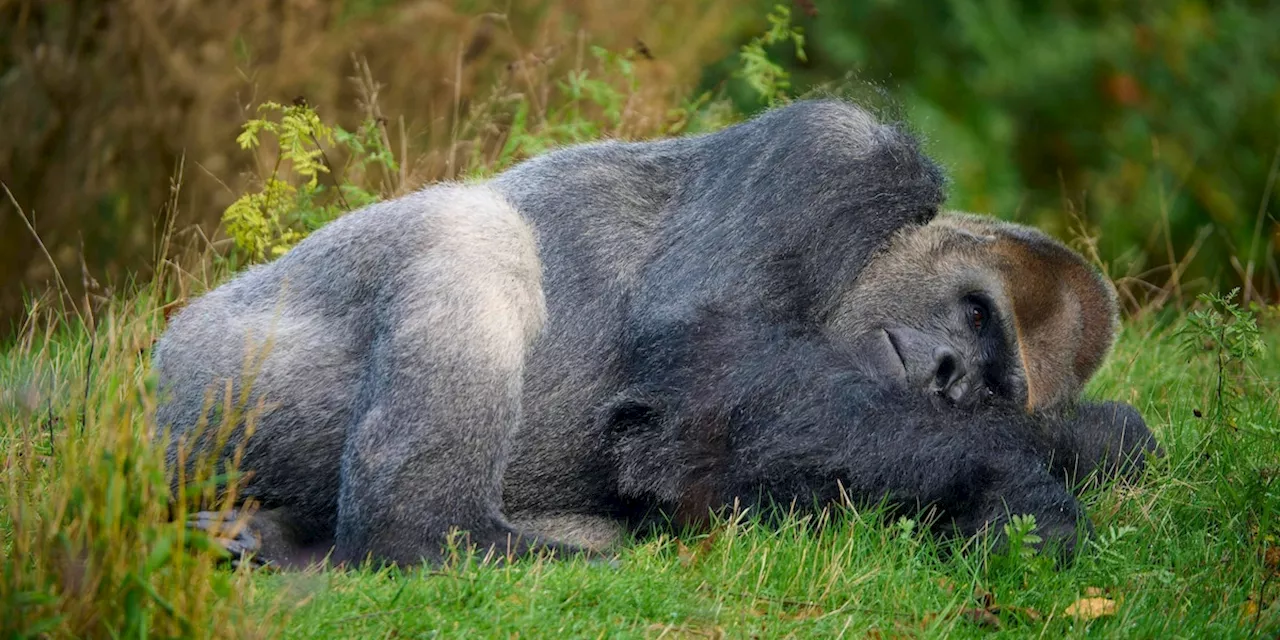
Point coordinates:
[[977, 316]]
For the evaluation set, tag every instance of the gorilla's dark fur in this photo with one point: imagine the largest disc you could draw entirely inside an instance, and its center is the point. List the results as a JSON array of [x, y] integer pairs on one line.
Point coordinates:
[[707, 339]]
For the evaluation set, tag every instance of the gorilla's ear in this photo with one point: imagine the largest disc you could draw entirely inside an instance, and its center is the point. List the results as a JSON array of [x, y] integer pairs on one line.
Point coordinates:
[[1065, 311], [631, 411]]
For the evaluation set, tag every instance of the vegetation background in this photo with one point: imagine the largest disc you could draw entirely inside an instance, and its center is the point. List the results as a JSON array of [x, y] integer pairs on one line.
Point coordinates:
[[1152, 123], [150, 147]]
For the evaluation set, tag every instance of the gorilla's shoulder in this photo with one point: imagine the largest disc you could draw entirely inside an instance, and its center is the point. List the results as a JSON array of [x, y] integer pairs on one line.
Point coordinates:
[[636, 155], [830, 126], [837, 119]]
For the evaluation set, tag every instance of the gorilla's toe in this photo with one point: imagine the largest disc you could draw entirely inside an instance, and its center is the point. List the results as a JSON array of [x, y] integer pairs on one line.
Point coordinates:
[[232, 533]]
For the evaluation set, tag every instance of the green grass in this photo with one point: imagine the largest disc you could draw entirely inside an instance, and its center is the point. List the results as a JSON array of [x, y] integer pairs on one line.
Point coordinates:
[[88, 549], [1179, 553]]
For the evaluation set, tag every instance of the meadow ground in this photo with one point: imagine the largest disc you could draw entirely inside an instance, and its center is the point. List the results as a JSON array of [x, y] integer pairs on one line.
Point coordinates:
[[1187, 550]]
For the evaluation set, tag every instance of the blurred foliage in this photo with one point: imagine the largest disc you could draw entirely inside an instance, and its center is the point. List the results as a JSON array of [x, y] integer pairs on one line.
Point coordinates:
[[266, 222], [590, 102], [1155, 126], [118, 120], [768, 78], [1145, 131], [288, 200]]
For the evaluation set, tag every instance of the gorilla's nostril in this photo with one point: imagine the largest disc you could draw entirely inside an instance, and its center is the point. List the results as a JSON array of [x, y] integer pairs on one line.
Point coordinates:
[[948, 369]]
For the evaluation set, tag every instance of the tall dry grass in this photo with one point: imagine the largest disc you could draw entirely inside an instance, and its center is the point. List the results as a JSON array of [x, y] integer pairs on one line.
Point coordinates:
[[92, 546], [100, 101], [95, 542]]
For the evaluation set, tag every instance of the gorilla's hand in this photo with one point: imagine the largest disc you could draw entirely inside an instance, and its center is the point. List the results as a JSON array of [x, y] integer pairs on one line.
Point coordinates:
[[1097, 442]]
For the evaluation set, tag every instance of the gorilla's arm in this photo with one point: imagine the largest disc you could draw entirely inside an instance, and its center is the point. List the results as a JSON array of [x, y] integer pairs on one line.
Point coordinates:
[[779, 215], [738, 410], [1096, 441]]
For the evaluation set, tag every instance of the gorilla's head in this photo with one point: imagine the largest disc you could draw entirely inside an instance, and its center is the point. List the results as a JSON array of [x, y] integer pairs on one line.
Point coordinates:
[[975, 310]]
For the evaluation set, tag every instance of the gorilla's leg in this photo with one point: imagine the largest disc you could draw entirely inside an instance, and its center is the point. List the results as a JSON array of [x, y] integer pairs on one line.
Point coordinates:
[[442, 394], [298, 371]]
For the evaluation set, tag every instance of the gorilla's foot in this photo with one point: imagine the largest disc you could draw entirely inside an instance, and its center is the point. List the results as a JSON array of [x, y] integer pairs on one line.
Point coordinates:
[[233, 532], [266, 539]]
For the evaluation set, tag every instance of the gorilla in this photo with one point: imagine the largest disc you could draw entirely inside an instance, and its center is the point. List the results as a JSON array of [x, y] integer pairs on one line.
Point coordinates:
[[622, 335]]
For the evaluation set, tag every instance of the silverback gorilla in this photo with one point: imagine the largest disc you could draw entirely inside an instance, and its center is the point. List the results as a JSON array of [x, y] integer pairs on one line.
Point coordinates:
[[631, 333]]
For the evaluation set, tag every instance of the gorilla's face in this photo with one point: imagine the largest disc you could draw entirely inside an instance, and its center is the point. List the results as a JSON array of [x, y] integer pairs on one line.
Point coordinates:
[[973, 310], [962, 356], [932, 313]]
